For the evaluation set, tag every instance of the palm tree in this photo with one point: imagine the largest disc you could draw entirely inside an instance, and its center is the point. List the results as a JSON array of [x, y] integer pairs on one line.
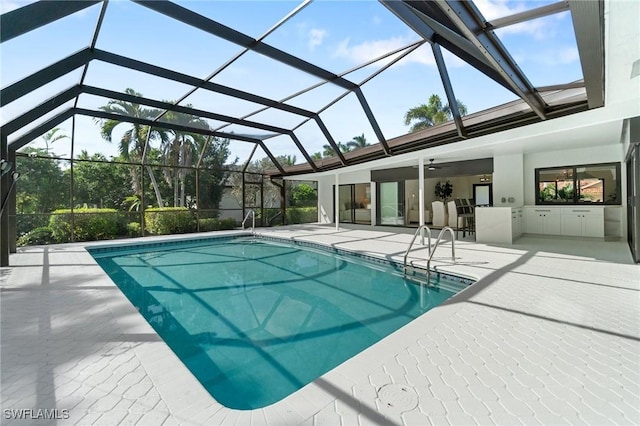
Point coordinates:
[[50, 137], [133, 140], [288, 160], [179, 150], [431, 114], [316, 156], [330, 152], [358, 142]]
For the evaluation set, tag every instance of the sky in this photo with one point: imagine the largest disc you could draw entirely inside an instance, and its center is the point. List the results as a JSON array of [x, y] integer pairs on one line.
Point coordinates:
[[335, 35]]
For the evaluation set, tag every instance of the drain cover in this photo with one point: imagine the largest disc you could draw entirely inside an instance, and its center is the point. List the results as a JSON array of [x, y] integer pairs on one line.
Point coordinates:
[[398, 397]]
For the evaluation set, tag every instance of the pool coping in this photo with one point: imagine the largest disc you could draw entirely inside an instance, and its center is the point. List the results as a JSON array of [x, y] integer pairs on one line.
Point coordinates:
[[348, 392], [399, 266]]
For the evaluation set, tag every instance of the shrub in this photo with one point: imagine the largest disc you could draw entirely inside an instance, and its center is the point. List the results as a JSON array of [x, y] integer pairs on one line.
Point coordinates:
[[37, 236], [227, 224], [29, 222], [169, 220], [89, 224], [303, 195], [213, 224], [133, 229], [302, 215], [210, 224]]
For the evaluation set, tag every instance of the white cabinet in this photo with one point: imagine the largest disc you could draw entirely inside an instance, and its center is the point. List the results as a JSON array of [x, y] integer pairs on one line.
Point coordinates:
[[572, 225], [583, 222], [574, 221], [516, 222], [542, 221], [613, 221], [593, 226]]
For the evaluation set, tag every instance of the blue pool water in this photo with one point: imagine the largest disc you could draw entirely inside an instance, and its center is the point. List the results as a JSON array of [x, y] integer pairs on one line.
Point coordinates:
[[256, 320]]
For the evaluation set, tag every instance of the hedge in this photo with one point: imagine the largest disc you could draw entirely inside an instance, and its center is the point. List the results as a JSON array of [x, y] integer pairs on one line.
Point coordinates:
[[301, 215], [169, 220], [214, 224], [133, 229], [89, 224]]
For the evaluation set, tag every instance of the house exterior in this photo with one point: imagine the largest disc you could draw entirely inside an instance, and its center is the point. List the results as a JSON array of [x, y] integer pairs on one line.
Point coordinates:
[[609, 134]]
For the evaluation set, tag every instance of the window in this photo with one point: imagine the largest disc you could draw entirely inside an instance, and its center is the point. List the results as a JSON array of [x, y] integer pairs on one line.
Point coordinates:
[[584, 184]]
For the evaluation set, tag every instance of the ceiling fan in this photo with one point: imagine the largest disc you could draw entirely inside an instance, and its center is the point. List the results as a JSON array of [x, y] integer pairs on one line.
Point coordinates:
[[432, 166]]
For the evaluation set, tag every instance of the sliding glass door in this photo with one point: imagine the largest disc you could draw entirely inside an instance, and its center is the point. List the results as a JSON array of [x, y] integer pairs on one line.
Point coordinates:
[[355, 203], [391, 203]]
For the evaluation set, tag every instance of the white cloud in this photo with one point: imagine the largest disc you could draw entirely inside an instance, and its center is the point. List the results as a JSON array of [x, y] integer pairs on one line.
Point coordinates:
[[8, 5], [316, 36], [368, 50], [493, 9], [559, 56], [551, 56], [569, 55]]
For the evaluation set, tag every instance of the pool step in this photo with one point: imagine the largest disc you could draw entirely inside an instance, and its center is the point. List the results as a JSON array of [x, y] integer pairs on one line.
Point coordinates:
[[416, 274], [419, 275]]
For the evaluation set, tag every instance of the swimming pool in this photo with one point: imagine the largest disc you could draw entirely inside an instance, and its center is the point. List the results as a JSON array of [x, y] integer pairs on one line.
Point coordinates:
[[255, 320]]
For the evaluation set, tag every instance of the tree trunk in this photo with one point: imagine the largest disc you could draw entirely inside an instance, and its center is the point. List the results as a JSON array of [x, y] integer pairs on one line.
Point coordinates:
[[155, 187], [182, 192], [175, 190]]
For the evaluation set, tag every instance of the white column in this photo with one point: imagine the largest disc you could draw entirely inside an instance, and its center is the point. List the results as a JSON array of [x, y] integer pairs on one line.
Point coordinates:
[[336, 201], [374, 203], [421, 190]]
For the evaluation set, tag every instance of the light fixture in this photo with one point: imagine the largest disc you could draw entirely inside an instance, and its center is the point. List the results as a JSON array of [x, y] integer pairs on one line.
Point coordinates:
[[5, 167], [485, 178], [431, 166], [15, 175]]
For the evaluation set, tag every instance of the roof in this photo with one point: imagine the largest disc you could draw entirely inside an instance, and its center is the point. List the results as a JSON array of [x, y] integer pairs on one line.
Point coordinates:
[[448, 31]]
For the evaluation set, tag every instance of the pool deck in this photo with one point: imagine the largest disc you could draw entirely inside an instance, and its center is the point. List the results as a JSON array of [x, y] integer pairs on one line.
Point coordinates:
[[549, 334]]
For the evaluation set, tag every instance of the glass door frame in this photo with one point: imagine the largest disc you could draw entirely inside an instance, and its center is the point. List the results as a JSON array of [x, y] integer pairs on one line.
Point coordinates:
[[633, 202], [400, 206], [353, 217]]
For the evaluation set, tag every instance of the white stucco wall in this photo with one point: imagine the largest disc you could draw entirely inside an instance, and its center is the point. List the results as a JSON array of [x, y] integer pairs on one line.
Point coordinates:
[[622, 49], [508, 174]]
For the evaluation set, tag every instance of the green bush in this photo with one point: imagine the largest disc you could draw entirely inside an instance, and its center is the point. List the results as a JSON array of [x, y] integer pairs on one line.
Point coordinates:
[[302, 215], [169, 220], [303, 195], [227, 224], [37, 236], [210, 224], [213, 224], [133, 229], [89, 224], [29, 222]]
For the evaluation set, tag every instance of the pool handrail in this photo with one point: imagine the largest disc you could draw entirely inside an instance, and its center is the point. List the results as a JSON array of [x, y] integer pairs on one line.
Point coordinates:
[[406, 253], [251, 213], [435, 246]]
